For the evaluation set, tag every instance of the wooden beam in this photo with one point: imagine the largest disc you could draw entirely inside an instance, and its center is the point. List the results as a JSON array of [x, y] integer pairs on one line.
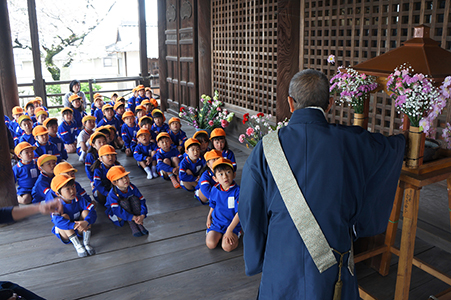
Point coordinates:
[[288, 33], [162, 53], [204, 47], [8, 89], [38, 82], [143, 43]]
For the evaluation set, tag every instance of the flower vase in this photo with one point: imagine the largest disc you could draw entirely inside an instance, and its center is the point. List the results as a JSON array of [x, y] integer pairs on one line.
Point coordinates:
[[359, 119], [415, 148]]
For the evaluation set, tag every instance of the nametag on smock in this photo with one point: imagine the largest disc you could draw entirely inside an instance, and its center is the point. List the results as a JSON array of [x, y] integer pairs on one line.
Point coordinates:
[[231, 202], [33, 173], [76, 216]]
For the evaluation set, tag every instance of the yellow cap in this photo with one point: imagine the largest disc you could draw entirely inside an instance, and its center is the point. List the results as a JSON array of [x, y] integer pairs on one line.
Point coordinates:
[[63, 167], [163, 134], [45, 158], [222, 161], [39, 130], [87, 118], [23, 118]]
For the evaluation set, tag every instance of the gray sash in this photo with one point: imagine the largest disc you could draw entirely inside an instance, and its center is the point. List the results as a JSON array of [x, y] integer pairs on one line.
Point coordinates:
[[297, 207]]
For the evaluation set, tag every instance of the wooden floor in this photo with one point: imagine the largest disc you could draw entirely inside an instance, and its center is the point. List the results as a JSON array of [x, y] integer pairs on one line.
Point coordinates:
[[173, 261]]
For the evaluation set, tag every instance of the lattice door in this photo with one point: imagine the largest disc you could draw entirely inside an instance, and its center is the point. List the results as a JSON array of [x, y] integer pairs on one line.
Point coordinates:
[[244, 58], [181, 59], [356, 30]]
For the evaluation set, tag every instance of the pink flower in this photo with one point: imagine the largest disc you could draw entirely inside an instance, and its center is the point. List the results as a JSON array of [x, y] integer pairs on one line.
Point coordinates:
[[249, 131], [211, 123], [397, 73], [218, 109], [224, 123], [331, 59], [241, 138], [363, 76]]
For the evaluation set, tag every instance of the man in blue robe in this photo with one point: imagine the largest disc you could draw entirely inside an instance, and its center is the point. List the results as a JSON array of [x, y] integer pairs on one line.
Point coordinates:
[[348, 177]]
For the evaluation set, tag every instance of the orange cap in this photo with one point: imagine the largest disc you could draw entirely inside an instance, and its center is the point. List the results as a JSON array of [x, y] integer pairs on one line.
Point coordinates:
[[41, 112], [39, 130], [117, 104], [222, 161], [217, 132], [145, 101], [142, 131], [163, 134], [116, 172], [95, 135], [38, 109], [174, 119], [63, 167], [212, 154], [199, 132], [37, 99], [106, 106], [22, 146], [134, 89], [67, 109], [114, 94], [45, 158], [140, 87], [59, 181], [97, 96], [74, 97], [31, 102], [142, 118], [48, 120], [87, 118], [190, 142], [148, 89], [17, 110], [120, 98], [128, 114], [154, 102], [139, 107], [23, 118], [106, 149]]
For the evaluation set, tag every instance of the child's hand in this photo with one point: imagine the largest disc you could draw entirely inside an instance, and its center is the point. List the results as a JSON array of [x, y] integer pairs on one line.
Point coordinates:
[[208, 222], [189, 172], [81, 225], [148, 160], [229, 237], [128, 152], [175, 171]]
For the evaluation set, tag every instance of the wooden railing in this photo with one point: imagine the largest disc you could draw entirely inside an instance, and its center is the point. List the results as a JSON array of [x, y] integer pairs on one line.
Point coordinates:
[[92, 90]]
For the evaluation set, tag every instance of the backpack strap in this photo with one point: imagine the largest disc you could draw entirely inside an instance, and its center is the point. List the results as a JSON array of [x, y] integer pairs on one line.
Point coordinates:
[[303, 218]]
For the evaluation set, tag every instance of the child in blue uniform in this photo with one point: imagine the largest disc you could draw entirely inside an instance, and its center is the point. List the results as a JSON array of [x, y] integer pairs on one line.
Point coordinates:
[[158, 119], [190, 165], [52, 127], [168, 159], [146, 104], [141, 95], [113, 98], [17, 111], [119, 109], [146, 122], [144, 153], [68, 130], [140, 112], [125, 202], [25, 172], [43, 146], [131, 102], [128, 132], [41, 116], [29, 108], [89, 123], [107, 159], [109, 119], [26, 126], [78, 112], [219, 142], [46, 163], [222, 220], [97, 140], [206, 181], [204, 139], [178, 136], [77, 218]]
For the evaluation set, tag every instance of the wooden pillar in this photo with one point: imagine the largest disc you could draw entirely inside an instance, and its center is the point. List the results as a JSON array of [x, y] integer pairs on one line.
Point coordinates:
[[38, 83], [143, 43], [162, 53], [288, 33], [204, 47], [8, 88]]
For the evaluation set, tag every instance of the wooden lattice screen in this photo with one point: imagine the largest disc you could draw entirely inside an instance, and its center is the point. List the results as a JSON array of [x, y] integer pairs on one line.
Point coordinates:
[[244, 53], [356, 30]]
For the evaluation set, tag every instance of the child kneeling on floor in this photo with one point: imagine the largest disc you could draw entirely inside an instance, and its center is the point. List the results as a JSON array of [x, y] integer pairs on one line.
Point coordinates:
[[222, 220], [125, 202], [77, 218]]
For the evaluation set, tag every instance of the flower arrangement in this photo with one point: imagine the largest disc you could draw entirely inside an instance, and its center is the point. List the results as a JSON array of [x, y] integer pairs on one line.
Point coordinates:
[[352, 87], [258, 127], [210, 116], [445, 94], [413, 94]]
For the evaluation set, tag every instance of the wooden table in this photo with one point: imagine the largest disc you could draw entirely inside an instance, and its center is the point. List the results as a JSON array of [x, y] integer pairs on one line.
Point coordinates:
[[409, 186]]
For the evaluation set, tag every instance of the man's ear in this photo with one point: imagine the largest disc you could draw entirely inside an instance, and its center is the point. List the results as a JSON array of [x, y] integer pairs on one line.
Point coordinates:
[[291, 103], [331, 102]]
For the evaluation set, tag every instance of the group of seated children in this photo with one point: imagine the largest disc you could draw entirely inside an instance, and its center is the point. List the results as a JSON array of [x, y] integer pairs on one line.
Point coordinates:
[[160, 149]]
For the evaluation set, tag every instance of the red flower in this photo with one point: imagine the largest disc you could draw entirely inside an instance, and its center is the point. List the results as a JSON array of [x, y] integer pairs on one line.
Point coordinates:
[[245, 118], [182, 109], [260, 115]]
